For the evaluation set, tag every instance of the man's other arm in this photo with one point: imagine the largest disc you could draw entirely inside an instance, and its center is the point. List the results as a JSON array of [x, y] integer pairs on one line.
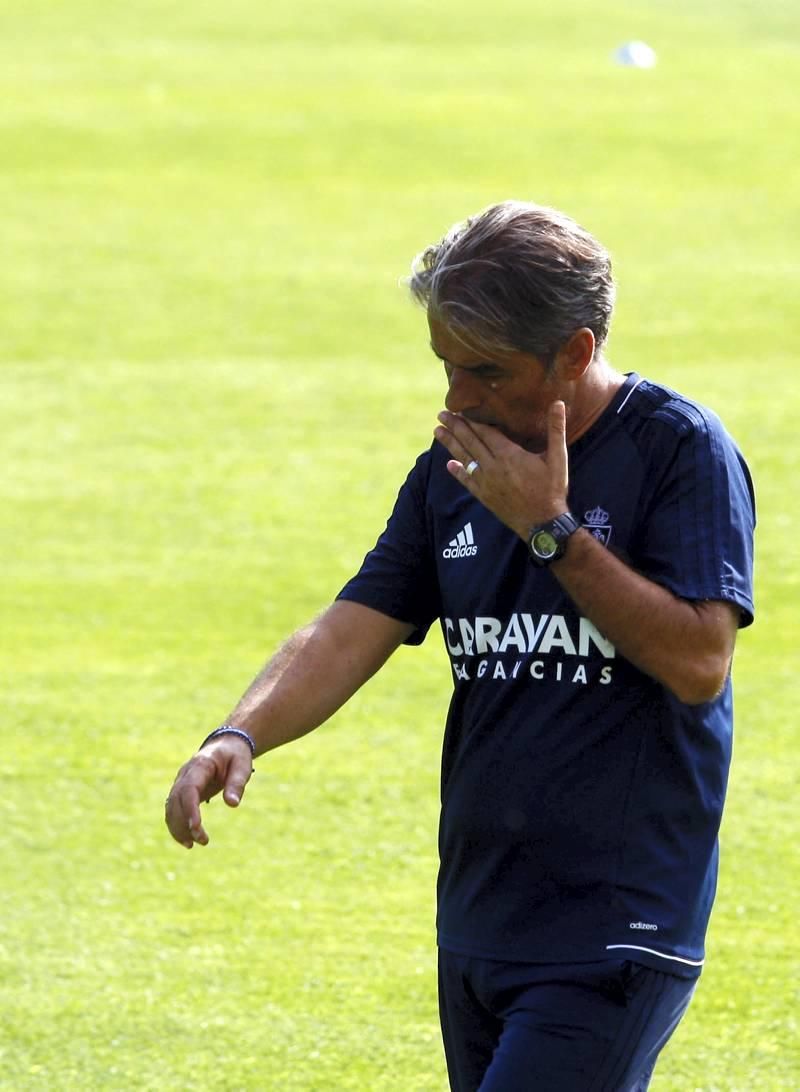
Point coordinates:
[[687, 646], [311, 676]]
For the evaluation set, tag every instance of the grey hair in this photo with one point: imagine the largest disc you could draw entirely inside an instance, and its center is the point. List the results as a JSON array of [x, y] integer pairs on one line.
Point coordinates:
[[517, 277]]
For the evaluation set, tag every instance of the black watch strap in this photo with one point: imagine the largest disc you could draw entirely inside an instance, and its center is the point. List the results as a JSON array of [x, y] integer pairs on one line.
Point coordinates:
[[548, 541]]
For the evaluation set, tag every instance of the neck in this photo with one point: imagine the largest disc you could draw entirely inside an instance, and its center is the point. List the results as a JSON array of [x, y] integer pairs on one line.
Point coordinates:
[[597, 387]]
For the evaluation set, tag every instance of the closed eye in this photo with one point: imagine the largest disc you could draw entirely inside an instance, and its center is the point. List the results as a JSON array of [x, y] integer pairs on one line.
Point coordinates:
[[488, 370]]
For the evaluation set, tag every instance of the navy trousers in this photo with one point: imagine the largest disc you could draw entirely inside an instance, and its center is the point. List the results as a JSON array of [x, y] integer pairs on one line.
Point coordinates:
[[586, 1027]]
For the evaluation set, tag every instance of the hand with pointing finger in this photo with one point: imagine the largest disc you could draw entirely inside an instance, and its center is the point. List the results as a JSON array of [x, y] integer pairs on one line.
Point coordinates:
[[522, 488]]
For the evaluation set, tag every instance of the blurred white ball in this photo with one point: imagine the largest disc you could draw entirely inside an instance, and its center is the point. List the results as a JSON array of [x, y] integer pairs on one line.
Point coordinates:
[[636, 55]]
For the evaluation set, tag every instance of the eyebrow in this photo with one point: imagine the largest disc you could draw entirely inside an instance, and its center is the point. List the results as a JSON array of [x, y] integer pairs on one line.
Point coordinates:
[[477, 366]]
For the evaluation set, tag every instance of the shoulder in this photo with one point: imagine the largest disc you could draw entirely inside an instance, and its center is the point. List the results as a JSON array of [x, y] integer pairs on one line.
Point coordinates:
[[653, 402], [660, 420], [429, 472], [428, 487], [674, 434], [418, 478]]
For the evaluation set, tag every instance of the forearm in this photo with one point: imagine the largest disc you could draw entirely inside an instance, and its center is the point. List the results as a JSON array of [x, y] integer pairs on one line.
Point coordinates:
[[315, 672], [307, 680], [686, 646]]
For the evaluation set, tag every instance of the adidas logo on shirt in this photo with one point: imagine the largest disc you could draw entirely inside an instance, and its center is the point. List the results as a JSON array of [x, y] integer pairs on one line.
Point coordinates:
[[463, 545]]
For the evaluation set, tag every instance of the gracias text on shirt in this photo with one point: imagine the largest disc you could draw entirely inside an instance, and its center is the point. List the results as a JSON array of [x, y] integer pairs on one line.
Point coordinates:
[[556, 640]]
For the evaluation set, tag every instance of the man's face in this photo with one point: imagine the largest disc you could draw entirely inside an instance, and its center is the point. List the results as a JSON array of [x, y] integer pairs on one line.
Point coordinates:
[[508, 390]]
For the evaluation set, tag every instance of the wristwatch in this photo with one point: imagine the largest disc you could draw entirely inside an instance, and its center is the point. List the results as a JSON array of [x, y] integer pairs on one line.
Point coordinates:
[[548, 541]]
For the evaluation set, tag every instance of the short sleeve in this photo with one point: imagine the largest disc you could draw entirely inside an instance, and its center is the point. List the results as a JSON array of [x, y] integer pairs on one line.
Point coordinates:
[[696, 537], [398, 576]]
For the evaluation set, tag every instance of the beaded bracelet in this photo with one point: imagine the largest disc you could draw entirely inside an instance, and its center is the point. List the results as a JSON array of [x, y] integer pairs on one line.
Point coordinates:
[[229, 730]]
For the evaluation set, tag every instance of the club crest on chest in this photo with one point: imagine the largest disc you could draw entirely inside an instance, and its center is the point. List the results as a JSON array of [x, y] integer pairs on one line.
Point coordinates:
[[595, 521]]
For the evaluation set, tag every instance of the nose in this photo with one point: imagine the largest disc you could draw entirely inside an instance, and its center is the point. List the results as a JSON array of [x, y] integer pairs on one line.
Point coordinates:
[[463, 391]]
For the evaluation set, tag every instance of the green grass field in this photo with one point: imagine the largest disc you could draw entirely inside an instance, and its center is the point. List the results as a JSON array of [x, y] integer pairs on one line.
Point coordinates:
[[211, 386]]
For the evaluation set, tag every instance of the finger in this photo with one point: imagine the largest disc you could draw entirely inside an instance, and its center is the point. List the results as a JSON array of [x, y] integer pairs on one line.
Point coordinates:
[[186, 825], [177, 819], [474, 437], [195, 782], [194, 822], [239, 773], [459, 472], [557, 461], [453, 445], [463, 457]]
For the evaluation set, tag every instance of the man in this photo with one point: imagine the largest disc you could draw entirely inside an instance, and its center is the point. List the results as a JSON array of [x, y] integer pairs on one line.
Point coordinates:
[[585, 540]]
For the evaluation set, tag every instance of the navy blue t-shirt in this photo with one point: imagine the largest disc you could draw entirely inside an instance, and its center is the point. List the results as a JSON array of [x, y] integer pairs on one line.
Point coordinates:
[[581, 800]]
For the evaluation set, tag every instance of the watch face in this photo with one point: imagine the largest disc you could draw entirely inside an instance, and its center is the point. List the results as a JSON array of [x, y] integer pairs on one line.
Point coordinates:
[[544, 544]]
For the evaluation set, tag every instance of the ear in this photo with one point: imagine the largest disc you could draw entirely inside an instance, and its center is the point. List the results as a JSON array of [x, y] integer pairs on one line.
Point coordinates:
[[575, 356]]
